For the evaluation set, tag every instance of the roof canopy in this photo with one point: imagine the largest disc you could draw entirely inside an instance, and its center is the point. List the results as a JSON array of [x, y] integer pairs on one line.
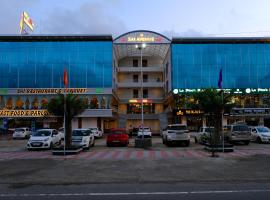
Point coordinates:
[[156, 44]]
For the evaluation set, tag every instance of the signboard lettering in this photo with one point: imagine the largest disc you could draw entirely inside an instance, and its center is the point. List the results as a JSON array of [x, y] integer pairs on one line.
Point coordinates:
[[23, 113]]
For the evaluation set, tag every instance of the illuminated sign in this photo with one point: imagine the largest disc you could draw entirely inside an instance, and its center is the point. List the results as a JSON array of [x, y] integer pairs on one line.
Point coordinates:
[[51, 90], [226, 90], [139, 101], [182, 112], [142, 37], [23, 113]]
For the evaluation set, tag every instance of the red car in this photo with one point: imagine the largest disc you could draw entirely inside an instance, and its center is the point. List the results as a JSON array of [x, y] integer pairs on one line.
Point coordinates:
[[117, 137]]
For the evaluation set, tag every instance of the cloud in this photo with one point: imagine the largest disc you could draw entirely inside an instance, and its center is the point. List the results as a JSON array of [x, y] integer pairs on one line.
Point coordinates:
[[10, 14], [89, 18]]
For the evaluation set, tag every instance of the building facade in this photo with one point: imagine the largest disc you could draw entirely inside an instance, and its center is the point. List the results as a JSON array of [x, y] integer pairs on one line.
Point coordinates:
[[32, 72], [245, 65], [139, 69]]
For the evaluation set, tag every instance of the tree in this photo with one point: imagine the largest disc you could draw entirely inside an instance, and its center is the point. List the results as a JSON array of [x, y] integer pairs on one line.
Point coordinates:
[[213, 102], [74, 106]]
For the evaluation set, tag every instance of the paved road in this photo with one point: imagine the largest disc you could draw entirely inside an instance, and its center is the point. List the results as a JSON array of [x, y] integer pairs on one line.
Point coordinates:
[[157, 191]]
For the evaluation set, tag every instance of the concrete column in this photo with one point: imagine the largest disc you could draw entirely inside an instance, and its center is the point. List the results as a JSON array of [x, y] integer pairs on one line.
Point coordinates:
[[261, 121], [204, 121]]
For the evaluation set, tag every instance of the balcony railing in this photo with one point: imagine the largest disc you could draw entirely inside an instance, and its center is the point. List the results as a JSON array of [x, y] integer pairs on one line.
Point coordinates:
[[149, 83], [125, 98], [138, 69]]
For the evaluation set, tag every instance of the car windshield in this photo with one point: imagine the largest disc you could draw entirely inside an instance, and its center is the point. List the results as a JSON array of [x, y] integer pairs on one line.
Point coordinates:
[[19, 129], [177, 127], [241, 128], [263, 129], [144, 129], [42, 133], [80, 132], [118, 132]]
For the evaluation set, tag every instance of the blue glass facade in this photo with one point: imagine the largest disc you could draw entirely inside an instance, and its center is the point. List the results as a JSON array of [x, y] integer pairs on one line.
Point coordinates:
[[243, 65], [40, 64]]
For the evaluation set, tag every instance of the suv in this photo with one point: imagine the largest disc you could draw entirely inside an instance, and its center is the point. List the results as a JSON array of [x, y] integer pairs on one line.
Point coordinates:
[[237, 133], [203, 135], [176, 133]]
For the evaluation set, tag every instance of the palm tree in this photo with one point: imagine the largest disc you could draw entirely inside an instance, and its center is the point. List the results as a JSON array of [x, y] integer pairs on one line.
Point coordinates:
[[213, 102], [74, 106]]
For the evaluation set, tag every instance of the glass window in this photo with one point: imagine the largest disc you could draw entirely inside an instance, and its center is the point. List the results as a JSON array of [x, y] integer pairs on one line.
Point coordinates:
[[144, 63], [145, 78], [135, 63], [41, 64], [145, 93], [135, 94], [243, 65], [135, 78]]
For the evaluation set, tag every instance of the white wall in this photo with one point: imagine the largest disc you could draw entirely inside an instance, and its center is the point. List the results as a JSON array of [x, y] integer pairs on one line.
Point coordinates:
[[86, 122], [89, 122]]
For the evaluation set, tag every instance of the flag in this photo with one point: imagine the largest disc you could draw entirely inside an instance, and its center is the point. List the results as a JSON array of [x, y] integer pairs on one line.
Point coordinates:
[[220, 79], [65, 78], [28, 21]]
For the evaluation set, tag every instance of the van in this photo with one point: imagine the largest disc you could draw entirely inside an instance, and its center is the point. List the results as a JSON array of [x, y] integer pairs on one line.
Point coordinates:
[[237, 133]]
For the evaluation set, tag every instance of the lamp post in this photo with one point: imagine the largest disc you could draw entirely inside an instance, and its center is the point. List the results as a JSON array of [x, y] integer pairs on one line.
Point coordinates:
[[141, 47]]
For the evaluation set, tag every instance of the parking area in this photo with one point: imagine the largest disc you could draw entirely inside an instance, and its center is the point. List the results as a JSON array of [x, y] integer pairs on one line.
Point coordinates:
[[16, 149]]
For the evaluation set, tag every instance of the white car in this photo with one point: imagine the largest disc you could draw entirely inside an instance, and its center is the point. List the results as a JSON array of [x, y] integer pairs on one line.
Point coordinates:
[[44, 139], [203, 135], [21, 133], [97, 132], [260, 134], [83, 138], [176, 133], [145, 131]]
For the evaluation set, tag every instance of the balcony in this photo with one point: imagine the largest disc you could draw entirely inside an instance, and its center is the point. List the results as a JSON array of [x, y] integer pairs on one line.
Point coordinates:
[[138, 69], [149, 84]]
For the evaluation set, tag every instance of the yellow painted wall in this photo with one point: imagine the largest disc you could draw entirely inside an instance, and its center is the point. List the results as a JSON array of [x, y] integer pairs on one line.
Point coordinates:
[[122, 108], [158, 108]]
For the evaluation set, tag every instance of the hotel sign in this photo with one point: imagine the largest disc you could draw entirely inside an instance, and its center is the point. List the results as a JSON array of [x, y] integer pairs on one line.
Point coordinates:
[[184, 112], [52, 91], [141, 37], [38, 91], [24, 113]]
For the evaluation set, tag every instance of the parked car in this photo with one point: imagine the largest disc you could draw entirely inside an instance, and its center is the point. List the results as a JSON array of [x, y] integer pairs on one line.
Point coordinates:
[[203, 135], [44, 139], [237, 133], [145, 132], [83, 137], [176, 133], [21, 133], [97, 132], [260, 134], [62, 133], [117, 137]]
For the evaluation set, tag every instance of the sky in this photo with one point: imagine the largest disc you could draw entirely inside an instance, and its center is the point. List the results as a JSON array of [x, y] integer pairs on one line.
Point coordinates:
[[173, 18]]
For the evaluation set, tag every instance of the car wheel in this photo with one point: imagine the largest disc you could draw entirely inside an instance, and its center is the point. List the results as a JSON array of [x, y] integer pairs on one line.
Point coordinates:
[[51, 145], [246, 142], [196, 140], [163, 141], [108, 144], [187, 143], [259, 140]]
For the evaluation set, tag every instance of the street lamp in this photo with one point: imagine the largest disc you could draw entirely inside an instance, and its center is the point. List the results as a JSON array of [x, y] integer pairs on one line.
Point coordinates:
[[141, 47]]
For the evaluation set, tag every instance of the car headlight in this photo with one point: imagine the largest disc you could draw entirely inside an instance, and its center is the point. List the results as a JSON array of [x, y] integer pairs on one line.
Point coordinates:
[[84, 140], [45, 140]]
